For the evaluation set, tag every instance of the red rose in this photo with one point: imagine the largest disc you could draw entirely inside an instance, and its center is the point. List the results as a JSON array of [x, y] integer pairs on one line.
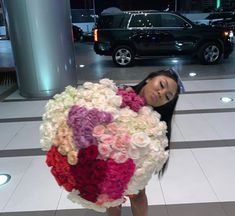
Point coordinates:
[[89, 192], [92, 152], [99, 168], [60, 169], [50, 156]]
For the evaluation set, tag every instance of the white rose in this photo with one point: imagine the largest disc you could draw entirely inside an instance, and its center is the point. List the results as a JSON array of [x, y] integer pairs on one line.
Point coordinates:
[[115, 101], [108, 92], [99, 100], [133, 153], [155, 145], [146, 110], [88, 85], [140, 139], [161, 129], [107, 82], [126, 114]]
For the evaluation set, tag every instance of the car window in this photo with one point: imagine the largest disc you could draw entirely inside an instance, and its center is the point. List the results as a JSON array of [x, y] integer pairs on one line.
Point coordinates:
[[112, 21], [153, 20], [219, 16], [170, 20], [138, 20]]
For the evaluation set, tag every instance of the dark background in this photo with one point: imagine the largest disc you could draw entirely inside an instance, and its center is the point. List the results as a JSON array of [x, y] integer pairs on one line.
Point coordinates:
[[123, 4], [182, 5]]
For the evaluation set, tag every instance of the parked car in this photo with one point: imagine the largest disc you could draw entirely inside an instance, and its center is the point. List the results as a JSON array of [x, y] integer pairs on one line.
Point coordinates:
[[127, 35], [77, 33], [225, 19]]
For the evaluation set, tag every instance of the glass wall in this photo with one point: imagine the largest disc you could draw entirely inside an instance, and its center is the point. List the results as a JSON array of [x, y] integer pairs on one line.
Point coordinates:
[[2, 25]]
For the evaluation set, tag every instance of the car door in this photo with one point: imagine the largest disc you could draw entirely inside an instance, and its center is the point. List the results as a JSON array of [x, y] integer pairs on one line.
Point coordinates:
[[138, 33], [171, 34]]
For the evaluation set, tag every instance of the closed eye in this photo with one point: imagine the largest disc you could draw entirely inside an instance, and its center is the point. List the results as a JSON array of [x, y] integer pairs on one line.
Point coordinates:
[[169, 96]]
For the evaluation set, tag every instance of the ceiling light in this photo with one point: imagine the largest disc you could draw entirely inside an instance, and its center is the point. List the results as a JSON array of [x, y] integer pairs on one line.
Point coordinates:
[[4, 178], [81, 66], [226, 99], [192, 74]]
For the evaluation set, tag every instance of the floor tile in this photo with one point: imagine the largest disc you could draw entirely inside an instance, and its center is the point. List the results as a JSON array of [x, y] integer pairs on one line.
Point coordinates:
[[8, 131], [16, 167], [233, 149], [65, 203], [184, 103], [38, 189], [29, 213], [194, 128], [21, 109], [27, 138], [15, 96], [184, 181], [210, 100], [199, 209], [176, 135], [229, 208], [218, 166], [154, 192], [205, 85], [223, 123]]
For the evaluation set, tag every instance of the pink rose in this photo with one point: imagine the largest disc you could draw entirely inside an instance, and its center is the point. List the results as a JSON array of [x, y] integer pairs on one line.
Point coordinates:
[[122, 142], [112, 127], [104, 149], [108, 139], [119, 157], [98, 131]]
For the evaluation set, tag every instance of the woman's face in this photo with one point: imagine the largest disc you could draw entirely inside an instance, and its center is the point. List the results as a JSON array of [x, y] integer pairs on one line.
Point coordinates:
[[159, 90]]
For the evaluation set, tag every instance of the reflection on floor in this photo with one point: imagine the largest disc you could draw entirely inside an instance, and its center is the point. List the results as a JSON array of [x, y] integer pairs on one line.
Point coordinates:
[[199, 179]]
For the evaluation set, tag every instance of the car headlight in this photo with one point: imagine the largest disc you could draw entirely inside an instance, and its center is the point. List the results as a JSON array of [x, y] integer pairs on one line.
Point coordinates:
[[228, 33]]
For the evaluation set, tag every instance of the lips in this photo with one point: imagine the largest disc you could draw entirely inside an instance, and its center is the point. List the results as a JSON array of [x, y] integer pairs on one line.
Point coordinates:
[[154, 98]]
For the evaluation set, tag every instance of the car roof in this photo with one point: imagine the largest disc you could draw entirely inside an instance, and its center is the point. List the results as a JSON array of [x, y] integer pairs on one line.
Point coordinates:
[[138, 12]]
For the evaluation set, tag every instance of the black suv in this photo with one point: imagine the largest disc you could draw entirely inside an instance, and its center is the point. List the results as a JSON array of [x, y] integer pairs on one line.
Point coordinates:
[[225, 19], [127, 35]]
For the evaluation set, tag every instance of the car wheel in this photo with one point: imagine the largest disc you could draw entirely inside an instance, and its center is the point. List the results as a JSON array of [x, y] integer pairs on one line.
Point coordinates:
[[123, 56], [210, 53]]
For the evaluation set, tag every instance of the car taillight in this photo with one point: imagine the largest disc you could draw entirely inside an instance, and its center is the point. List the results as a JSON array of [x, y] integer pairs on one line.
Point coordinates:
[[96, 35]]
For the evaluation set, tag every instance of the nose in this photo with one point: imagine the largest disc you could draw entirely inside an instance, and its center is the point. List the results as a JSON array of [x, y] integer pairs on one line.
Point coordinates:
[[161, 93]]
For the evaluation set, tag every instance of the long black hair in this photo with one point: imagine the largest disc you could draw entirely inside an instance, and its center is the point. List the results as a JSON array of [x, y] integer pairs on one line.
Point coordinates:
[[166, 110]]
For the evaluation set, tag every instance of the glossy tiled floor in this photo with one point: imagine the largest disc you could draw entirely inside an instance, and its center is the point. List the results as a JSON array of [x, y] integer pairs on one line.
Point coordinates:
[[200, 177]]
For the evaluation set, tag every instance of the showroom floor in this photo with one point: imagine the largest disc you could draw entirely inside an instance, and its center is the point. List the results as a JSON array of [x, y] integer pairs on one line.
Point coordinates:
[[200, 177]]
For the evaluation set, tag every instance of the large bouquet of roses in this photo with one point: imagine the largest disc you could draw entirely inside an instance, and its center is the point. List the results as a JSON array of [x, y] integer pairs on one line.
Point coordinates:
[[103, 143]]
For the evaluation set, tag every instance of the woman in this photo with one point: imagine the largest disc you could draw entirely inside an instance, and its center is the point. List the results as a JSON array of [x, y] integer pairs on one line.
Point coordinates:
[[160, 90]]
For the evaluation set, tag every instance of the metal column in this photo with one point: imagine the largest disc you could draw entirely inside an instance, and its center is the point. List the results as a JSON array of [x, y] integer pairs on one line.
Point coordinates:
[[41, 36]]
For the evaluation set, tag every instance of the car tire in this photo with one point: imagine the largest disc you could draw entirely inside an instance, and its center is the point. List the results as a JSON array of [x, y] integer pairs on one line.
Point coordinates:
[[123, 56], [210, 53]]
